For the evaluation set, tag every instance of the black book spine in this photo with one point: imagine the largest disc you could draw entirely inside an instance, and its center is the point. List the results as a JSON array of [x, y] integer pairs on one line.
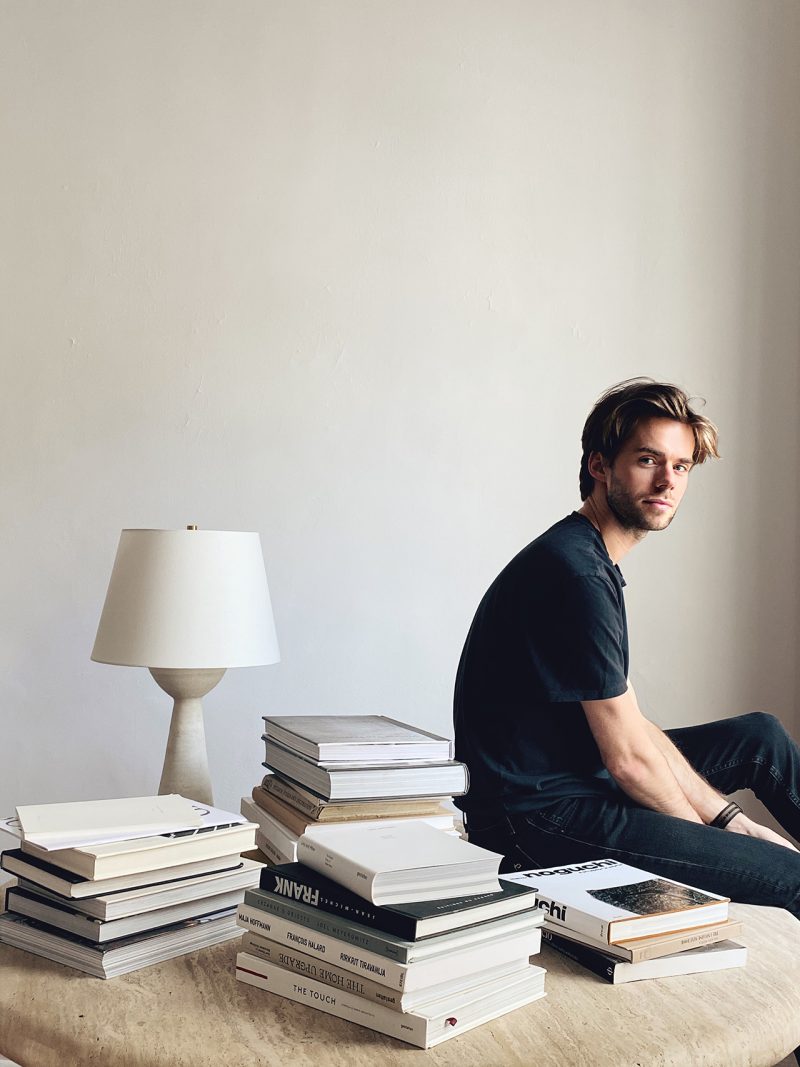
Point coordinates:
[[296, 882], [585, 955]]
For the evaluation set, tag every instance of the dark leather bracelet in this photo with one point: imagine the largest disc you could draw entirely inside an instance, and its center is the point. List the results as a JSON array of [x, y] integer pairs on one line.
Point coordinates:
[[730, 811]]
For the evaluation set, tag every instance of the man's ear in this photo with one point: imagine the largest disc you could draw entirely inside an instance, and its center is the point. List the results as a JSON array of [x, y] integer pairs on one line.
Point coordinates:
[[597, 466]]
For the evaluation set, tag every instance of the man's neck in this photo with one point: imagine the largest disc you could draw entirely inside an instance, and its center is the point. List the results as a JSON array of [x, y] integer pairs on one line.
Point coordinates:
[[619, 540]]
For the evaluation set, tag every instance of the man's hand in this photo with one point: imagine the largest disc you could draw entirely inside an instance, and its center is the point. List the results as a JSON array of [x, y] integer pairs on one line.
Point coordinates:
[[740, 824]]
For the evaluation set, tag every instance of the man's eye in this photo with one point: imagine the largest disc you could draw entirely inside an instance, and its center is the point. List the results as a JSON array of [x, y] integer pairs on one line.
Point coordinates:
[[647, 460], [681, 467]]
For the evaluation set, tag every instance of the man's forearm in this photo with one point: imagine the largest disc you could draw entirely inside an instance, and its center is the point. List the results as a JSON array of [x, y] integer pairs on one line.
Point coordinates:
[[649, 780], [705, 800]]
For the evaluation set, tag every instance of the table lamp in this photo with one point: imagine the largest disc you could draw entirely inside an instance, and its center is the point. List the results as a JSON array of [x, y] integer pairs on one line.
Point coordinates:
[[187, 604]]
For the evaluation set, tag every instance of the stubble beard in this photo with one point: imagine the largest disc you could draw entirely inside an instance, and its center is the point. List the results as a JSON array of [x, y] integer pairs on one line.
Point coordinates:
[[631, 515]]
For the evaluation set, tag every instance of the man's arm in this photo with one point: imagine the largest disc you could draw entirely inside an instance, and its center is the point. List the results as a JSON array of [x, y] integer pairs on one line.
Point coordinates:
[[650, 769], [634, 759], [704, 798]]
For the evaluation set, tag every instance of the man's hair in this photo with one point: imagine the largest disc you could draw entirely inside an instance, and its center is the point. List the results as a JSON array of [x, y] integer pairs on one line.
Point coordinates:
[[621, 408]]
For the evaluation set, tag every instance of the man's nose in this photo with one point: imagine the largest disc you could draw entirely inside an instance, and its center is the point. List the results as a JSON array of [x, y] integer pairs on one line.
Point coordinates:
[[665, 476]]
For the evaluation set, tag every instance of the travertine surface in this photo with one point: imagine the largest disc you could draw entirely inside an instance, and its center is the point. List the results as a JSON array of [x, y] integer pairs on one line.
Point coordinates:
[[191, 1012]]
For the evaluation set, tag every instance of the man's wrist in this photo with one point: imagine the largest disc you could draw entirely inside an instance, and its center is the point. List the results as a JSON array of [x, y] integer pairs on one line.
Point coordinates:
[[726, 815]]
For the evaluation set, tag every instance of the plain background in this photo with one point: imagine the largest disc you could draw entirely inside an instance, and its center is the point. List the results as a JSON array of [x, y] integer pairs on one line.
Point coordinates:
[[351, 274]]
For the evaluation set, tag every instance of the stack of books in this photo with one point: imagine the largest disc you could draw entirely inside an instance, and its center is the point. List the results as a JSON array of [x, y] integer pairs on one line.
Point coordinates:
[[92, 896], [626, 924], [448, 949], [326, 770]]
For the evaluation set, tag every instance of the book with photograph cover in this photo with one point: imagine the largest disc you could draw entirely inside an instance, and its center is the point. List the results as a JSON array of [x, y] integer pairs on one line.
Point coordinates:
[[612, 902]]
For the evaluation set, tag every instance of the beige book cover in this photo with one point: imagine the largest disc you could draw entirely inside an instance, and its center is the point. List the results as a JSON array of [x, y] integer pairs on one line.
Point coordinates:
[[86, 822]]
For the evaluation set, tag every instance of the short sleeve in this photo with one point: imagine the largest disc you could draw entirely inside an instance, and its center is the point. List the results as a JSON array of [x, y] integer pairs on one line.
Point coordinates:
[[582, 649]]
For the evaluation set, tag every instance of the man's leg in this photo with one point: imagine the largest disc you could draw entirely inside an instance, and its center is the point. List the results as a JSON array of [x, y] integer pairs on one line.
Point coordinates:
[[745, 869], [748, 752]]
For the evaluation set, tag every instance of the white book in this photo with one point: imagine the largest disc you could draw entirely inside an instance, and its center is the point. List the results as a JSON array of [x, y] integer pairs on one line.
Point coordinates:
[[92, 822], [284, 840], [353, 738], [519, 939], [440, 1019], [73, 886], [119, 957], [273, 854], [389, 779], [399, 863], [63, 917], [717, 957], [291, 959], [151, 898], [149, 853], [611, 901]]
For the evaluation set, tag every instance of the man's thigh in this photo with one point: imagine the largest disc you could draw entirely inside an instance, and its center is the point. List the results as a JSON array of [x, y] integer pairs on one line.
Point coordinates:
[[720, 861]]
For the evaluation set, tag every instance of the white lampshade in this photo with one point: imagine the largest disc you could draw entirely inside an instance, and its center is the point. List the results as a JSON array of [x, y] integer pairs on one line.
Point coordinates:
[[187, 599]]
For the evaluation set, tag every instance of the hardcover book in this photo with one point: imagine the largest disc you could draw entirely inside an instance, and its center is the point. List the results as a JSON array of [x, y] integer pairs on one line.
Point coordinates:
[[319, 809], [717, 957], [428, 1026], [359, 781], [368, 811], [421, 973], [146, 899], [67, 884], [400, 863], [148, 853], [23, 902], [650, 948], [272, 908], [292, 959], [419, 919], [611, 901], [353, 738], [121, 956], [91, 822]]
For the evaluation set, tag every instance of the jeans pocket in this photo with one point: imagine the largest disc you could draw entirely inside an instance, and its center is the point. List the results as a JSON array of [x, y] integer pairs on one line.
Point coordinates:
[[555, 818]]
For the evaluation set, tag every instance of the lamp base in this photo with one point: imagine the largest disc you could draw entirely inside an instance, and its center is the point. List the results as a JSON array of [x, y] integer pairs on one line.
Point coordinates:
[[186, 761]]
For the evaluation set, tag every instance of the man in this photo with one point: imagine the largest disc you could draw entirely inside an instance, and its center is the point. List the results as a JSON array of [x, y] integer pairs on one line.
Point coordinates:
[[564, 766]]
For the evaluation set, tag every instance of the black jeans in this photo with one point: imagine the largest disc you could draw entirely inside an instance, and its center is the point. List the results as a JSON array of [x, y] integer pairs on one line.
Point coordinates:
[[748, 752]]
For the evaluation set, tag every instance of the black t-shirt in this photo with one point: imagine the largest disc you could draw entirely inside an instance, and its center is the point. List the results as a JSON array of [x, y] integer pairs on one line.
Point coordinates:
[[549, 633]]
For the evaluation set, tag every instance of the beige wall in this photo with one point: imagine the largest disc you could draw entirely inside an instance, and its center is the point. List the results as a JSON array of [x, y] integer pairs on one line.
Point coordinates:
[[351, 274]]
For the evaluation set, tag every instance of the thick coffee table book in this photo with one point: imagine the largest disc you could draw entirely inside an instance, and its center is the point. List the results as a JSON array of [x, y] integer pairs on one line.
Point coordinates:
[[179, 879], [71, 885], [284, 840], [153, 900], [317, 809], [716, 957], [295, 882], [357, 781], [425, 1027], [91, 822], [385, 959], [355, 738], [298, 821], [21, 901], [120, 956], [639, 949], [116, 858], [400, 863], [614, 902], [292, 959]]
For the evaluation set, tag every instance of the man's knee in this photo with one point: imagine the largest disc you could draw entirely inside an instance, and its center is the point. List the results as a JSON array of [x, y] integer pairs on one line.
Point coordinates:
[[762, 727]]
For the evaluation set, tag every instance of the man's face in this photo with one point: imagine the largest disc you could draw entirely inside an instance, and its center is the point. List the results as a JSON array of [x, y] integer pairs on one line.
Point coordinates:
[[647, 480]]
